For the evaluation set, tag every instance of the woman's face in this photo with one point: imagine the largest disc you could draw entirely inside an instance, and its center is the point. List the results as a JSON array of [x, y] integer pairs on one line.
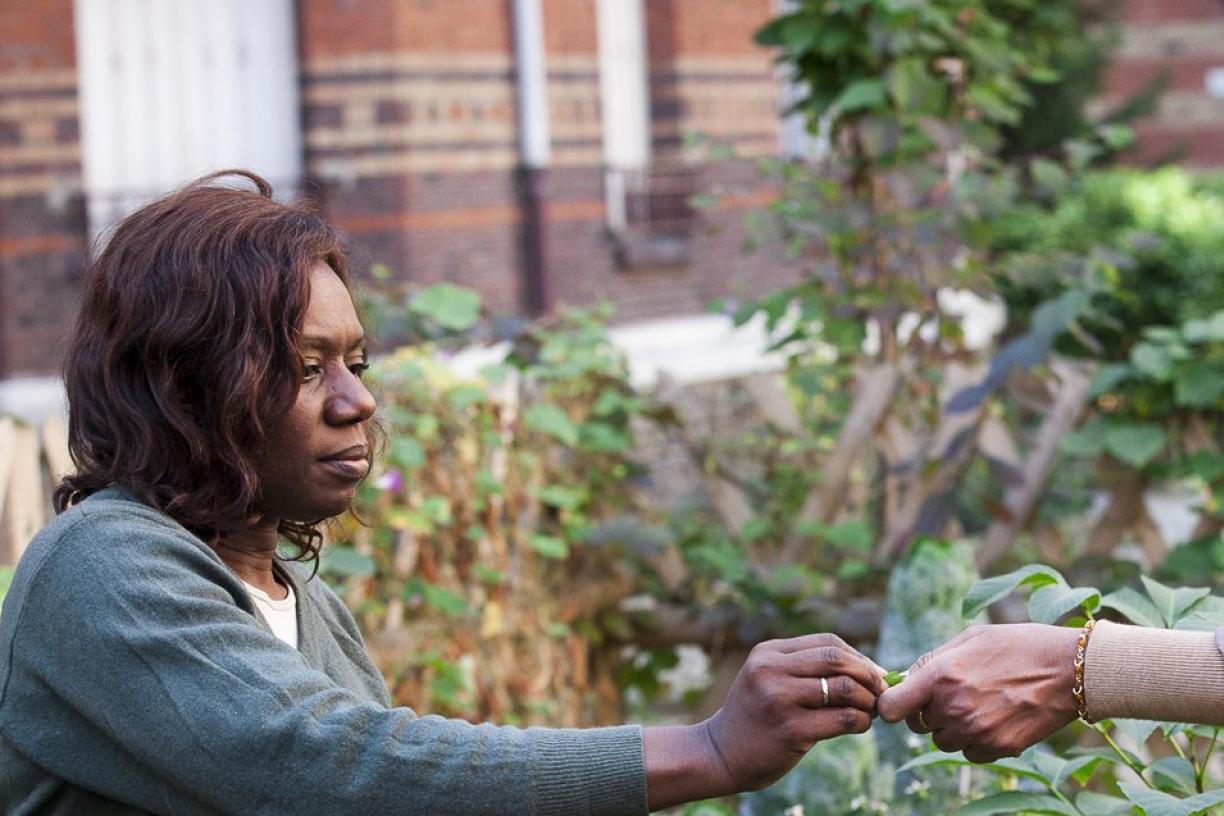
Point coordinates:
[[318, 451]]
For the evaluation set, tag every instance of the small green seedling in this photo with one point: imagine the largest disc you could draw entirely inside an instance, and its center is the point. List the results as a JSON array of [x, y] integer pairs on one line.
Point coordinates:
[[894, 678]]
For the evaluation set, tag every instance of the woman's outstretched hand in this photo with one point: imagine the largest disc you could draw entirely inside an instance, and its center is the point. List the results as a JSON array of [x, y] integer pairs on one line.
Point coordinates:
[[774, 713], [990, 692]]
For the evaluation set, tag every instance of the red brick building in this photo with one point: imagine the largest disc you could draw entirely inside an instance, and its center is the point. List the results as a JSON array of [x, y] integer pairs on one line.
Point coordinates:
[[532, 149]]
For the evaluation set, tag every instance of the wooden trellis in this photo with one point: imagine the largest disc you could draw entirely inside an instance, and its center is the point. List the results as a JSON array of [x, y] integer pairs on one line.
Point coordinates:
[[32, 460]]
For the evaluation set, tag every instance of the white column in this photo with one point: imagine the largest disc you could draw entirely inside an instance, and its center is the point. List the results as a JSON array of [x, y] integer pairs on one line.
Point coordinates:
[[535, 140], [622, 83], [625, 99]]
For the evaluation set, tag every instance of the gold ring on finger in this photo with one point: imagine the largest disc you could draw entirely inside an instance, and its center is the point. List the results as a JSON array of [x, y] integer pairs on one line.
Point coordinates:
[[824, 689], [922, 721]]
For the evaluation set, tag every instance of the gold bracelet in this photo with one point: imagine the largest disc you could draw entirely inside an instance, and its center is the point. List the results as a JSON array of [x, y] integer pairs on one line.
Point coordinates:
[[1077, 688]]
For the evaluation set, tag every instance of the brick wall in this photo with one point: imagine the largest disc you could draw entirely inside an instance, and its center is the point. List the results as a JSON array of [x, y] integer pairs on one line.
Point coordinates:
[[409, 118], [1183, 39], [411, 136], [42, 232]]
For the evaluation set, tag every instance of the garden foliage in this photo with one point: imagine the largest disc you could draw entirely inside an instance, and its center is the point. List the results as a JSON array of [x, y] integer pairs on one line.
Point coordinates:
[[502, 525]]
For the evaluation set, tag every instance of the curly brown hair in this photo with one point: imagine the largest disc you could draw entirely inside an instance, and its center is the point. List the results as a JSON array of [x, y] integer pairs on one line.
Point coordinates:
[[185, 351]]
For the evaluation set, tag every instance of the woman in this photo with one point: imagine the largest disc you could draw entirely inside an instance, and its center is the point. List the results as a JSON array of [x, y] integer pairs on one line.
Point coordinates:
[[158, 656], [995, 690]]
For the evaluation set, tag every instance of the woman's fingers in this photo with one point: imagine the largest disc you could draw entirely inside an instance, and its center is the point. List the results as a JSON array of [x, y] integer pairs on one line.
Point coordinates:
[[844, 692], [950, 739], [826, 723], [830, 661]]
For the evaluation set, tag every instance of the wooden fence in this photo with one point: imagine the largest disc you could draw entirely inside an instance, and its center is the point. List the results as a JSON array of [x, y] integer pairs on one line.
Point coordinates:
[[32, 459]]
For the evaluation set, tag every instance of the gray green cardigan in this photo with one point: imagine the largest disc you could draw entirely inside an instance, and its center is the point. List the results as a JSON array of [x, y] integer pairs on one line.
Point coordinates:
[[137, 676]]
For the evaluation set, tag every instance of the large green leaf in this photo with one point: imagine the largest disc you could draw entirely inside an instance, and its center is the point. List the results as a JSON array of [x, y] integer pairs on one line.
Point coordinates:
[[1177, 771], [1204, 331], [1135, 443], [443, 600], [1205, 616], [1153, 360], [1135, 606], [986, 592], [1087, 441], [1198, 384], [549, 546], [450, 306], [1050, 603], [1012, 802], [1099, 804], [1173, 603], [1156, 803], [862, 94], [1137, 730], [552, 420]]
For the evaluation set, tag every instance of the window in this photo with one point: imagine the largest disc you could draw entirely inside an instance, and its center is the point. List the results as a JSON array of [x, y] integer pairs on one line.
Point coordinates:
[[173, 89]]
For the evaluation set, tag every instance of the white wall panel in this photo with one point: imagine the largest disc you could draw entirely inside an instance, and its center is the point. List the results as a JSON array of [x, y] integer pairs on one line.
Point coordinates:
[[173, 89]]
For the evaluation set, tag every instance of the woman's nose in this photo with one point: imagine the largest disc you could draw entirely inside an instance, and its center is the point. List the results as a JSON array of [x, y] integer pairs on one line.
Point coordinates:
[[351, 402]]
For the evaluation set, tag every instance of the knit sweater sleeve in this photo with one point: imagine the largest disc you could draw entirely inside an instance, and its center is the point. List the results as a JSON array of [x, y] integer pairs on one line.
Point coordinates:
[[133, 674], [1154, 674]]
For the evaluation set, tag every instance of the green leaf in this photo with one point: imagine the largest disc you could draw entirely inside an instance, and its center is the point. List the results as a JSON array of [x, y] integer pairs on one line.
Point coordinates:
[[346, 562], [1137, 444], [407, 453], [1077, 768], [462, 397], [1012, 802], [986, 592], [449, 306], [1198, 384], [549, 546], [1200, 803], [1108, 378], [1204, 331], [1049, 604], [1156, 803], [599, 437], [854, 535], [1172, 603], [1177, 771], [935, 759], [1049, 174], [1099, 804], [566, 498], [862, 94], [1205, 465], [1205, 616], [1136, 607], [1086, 441], [488, 575], [1137, 730], [443, 600], [1154, 361], [550, 419]]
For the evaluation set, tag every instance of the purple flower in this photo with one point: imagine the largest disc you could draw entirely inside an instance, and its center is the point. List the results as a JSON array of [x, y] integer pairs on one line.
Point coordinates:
[[392, 481]]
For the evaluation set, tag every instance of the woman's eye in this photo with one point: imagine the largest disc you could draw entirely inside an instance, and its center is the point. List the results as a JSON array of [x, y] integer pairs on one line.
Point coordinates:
[[359, 369], [311, 371]]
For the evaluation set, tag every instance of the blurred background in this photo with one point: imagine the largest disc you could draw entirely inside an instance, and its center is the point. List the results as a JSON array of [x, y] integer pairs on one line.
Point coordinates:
[[533, 151], [699, 321]]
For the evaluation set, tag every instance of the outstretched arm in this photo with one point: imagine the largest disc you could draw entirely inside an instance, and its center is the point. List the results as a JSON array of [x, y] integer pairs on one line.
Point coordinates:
[[995, 690], [774, 713]]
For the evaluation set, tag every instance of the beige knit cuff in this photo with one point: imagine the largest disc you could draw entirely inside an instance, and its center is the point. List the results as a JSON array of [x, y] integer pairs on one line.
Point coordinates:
[[1154, 674]]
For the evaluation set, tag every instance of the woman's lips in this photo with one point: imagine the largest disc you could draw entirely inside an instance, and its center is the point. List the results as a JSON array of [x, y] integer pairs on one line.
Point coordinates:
[[352, 469]]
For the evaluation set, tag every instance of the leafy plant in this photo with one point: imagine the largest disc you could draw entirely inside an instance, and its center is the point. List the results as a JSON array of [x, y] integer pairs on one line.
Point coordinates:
[[1145, 253], [1111, 767], [500, 535]]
